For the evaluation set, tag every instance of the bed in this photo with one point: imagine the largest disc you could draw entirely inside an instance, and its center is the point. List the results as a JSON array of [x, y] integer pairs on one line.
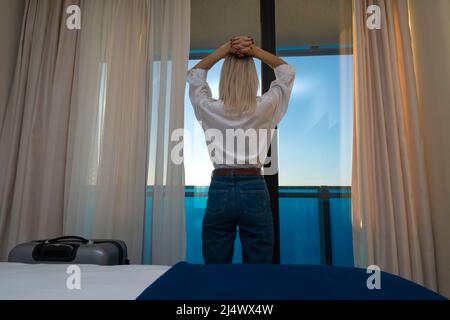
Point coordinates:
[[278, 282], [48, 281], [186, 281]]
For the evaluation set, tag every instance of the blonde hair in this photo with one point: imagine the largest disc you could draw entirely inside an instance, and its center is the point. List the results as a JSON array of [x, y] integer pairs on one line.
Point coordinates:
[[238, 85]]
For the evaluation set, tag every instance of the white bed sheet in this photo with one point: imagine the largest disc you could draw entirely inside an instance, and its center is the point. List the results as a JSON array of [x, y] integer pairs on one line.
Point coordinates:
[[48, 281]]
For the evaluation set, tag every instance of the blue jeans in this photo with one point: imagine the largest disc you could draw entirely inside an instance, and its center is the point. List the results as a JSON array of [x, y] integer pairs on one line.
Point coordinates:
[[239, 201]]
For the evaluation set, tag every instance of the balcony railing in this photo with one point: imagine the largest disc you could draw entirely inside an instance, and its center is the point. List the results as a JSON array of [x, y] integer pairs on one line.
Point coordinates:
[[315, 224], [324, 196]]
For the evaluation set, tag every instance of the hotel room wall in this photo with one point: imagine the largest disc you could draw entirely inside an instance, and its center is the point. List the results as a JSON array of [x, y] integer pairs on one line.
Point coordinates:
[[430, 24], [11, 13]]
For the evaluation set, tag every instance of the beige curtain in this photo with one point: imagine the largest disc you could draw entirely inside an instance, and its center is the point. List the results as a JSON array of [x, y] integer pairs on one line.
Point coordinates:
[[430, 28], [391, 211], [88, 126], [33, 134]]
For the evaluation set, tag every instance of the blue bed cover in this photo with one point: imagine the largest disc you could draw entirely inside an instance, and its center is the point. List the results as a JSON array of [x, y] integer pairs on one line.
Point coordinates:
[[186, 281]]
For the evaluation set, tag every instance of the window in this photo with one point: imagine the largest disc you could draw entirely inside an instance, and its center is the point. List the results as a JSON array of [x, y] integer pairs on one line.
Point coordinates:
[[315, 137], [315, 156], [315, 140]]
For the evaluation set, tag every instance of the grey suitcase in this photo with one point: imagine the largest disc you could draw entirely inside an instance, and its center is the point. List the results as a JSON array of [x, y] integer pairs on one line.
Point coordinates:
[[71, 250]]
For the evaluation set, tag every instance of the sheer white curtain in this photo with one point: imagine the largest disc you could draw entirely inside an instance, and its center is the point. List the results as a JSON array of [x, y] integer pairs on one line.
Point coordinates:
[[128, 98], [169, 49], [391, 209]]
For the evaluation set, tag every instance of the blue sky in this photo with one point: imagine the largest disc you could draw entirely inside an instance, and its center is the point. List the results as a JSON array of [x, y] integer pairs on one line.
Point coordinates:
[[315, 136]]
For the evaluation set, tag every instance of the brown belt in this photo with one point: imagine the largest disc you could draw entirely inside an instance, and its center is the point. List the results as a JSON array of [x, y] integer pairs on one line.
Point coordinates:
[[222, 172]]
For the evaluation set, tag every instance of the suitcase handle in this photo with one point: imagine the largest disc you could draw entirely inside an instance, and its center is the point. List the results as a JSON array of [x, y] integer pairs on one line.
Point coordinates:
[[79, 239]]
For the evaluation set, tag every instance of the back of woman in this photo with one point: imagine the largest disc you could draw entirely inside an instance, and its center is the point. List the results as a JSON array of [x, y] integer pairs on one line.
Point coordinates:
[[239, 127]]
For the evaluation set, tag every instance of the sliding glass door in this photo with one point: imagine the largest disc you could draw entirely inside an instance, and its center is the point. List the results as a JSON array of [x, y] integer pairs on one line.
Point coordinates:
[[315, 137], [311, 194]]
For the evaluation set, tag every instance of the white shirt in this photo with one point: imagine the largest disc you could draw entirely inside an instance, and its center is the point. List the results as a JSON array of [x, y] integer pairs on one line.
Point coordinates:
[[223, 137]]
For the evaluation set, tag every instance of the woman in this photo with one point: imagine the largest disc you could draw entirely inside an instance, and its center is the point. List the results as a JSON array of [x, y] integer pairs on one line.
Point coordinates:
[[238, 195]]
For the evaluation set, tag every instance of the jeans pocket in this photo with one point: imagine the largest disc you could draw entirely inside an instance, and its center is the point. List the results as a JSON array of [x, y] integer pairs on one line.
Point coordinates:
[[217, 200], [255, 202]]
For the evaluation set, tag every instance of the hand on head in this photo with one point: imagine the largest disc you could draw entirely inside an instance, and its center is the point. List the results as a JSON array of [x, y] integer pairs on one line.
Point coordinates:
[[242, 46]]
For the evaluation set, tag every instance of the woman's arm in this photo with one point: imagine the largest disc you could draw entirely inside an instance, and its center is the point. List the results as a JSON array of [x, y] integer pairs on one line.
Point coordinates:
[[270, 59], [240, 46], [210, 60]]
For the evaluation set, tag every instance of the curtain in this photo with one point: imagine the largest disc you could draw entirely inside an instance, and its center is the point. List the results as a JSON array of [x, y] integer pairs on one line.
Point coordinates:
[[130, 96], [391, 210], [430, 28], [119, 96], [34, 130], [169, 48]]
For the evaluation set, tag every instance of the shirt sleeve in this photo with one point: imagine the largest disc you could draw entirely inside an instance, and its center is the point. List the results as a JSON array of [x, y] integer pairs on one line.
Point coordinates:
[[280, 92], [199, 90]]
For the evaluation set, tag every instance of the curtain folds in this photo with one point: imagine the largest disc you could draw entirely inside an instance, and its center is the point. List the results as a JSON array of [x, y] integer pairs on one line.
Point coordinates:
[[391, 210], [106, 193], [34, 131], [87, 163], [170, 54]]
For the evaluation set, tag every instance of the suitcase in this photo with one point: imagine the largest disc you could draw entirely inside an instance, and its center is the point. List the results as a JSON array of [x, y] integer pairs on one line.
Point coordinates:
[[71, 250]]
